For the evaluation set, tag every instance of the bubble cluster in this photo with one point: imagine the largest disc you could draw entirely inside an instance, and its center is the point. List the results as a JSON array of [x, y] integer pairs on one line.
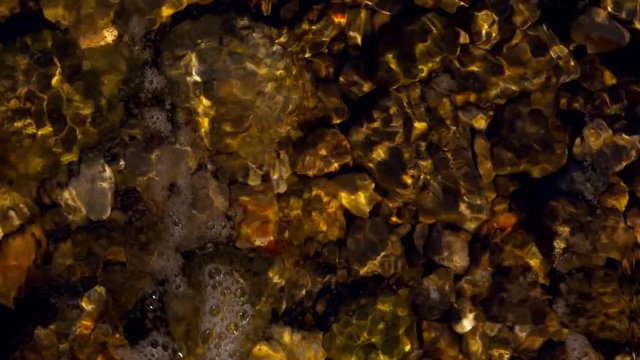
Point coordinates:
[[153, 81], [167, 263], [157, 120], [227, 313], [156, 346], [578, 348]]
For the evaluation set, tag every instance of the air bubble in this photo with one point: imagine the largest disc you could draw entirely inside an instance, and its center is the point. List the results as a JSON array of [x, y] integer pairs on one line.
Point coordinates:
[[243, 315], [232, 328], [157, 120], [215, 310], [241, 293], [226, 313], [205, 335], [153, 80]]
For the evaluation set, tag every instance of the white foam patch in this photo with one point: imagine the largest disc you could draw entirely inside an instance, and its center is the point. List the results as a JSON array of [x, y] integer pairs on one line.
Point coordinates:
[[579, 348], [156, 346], [157, 120], [136, 27], [179, 285], [153, 80], [176, 218], [226, 314], [167, 263]]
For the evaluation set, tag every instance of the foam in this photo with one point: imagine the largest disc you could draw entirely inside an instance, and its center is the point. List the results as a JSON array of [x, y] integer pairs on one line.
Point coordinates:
[[226, 313], [579, 348], [179, 284], [167, 263], [136, 27], [227, 316], [153, 80], [176, 218], [156, 346], [157, 120]]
